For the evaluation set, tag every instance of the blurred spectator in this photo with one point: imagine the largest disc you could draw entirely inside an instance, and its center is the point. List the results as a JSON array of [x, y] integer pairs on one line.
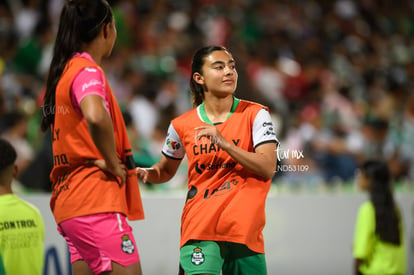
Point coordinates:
[[36, 176], [140, 146], [143, 108], [332, 153], [407, 137], [15, 132], [26, 16], [297, 151]]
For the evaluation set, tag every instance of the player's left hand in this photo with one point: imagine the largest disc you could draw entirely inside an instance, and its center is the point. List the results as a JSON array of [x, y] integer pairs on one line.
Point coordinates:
[[212, 133]]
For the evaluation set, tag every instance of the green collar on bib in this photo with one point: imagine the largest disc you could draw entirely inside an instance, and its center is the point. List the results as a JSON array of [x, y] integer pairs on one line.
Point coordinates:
[[204, 116]]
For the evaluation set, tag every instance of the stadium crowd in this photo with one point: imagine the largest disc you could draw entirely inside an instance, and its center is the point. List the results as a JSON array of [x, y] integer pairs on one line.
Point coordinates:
[[336, 75]]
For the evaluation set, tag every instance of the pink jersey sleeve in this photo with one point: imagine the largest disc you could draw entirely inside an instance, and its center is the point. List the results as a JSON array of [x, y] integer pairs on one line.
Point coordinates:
[[89, 81]]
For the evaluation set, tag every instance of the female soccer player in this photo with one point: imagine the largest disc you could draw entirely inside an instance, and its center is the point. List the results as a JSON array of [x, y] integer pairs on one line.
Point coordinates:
[[231, 147], [95, 188]]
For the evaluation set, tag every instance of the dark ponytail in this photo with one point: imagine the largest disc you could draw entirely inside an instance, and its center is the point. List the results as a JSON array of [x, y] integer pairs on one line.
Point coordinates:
[[387, 216], [197, 90], [80, 22]]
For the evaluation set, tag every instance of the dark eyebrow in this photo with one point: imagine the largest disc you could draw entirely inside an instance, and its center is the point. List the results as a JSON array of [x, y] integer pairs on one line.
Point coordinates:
[[231, 61]]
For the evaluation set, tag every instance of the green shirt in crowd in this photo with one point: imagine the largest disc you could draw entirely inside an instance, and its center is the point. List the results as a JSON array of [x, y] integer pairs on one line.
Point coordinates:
[[380, 258]]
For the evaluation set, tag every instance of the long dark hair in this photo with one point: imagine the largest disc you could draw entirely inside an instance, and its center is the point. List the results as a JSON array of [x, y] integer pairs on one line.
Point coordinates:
[[387, 216], [197, 90], [80, 22]]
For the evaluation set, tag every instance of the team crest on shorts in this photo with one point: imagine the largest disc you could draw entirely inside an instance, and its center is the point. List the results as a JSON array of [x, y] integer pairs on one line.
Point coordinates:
[[197, 256], [127, 245]]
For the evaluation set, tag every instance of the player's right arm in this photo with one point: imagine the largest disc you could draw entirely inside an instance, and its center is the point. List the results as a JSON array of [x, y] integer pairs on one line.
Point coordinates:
[[101, 130], [160, 172], [89, 95], [165, 169]]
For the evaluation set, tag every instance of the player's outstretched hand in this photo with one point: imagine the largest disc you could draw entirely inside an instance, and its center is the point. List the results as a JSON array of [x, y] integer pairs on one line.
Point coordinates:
[[142, 173]]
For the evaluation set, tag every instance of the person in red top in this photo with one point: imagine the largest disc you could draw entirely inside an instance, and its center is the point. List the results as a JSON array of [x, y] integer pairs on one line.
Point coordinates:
[[94, 185], [231, 148]]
